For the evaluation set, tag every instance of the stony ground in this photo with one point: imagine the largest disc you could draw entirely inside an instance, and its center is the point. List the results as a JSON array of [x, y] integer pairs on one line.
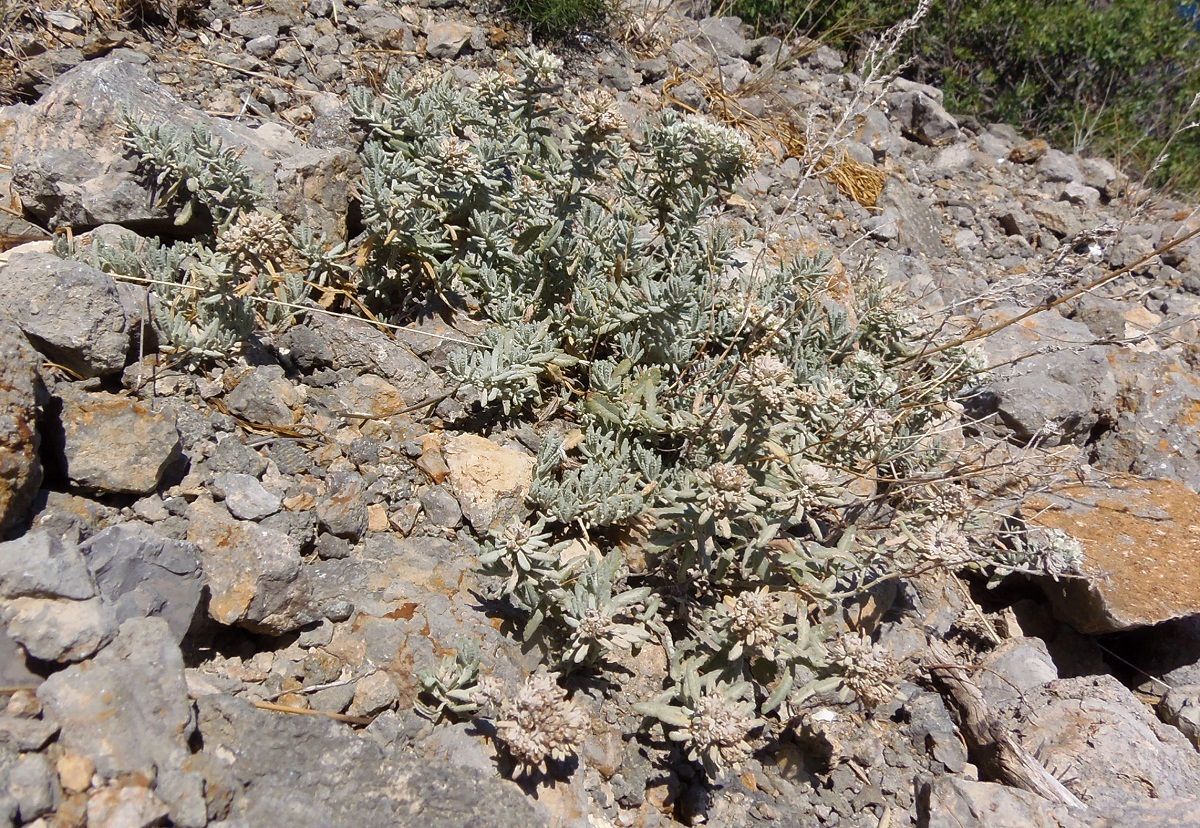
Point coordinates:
[[196, 560]]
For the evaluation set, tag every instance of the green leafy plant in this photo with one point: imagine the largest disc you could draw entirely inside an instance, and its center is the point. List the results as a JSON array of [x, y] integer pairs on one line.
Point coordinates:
[[721, 411], [740, 437]]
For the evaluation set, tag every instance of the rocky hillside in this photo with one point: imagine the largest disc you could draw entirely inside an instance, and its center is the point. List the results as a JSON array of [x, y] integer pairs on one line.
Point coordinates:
[[315, 514]]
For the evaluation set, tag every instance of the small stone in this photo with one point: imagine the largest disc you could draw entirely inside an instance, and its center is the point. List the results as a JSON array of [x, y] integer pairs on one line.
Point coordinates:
[[126, 806], [490, 481], [116, 444], [342, 511], [1028, 151], [441, 509], [31, 784], [245, 497], [26, 734], [60, 630], [23, 704], [446, 39], [75, 772], [377, 518], [374, 693], [262, 46], [331, 547], [263, 395]]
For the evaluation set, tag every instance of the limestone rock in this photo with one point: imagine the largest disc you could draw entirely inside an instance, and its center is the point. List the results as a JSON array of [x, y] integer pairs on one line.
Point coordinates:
[[342, 778], [951, 802], [20, 388], [255, 575], [117, 444], [490, 481], [70, 165], [446, 39], [143, 574], [71, 312], [1139, 546], [127, 710]]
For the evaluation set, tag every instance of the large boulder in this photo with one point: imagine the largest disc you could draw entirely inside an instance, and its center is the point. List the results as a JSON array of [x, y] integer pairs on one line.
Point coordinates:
[[1052, 384], [1119, 755], [20, 388], [1141, 561], [71, 312], [116, 444], [334, 776], [142, 574], [70, 163]]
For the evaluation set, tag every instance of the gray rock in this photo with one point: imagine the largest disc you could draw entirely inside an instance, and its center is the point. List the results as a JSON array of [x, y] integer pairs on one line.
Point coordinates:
[[361, 348], [125, 806], [343, 509], [446, 39], [255, 575], [1060, 392], [250, 26], [373, 694], [128, 711], [950, 802], [390, 31], [263, 395], [1014, 667], [1080, 194], [919, 228], [70, 165], [1015, 221], [1056, 165], [14, 672], [263, 46], [41, 565], [71, 312], [117, 444], [314, 188], [440, 507], [1127, 755], [26, 734], [1180, 708], [234, 456], [1059, 217], [920, 115], [618, 74], [342, 778], [245, 497], [143, 574], [60, 630], [20, 440], [31, 783], [724, 35]]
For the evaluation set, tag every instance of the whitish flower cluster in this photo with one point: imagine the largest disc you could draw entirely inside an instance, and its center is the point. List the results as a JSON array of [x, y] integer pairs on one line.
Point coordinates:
[[1059, 554], [769, 378], [539, 724], [255, 238], [865, 669], [598, 113], [754, 619], [727, 486]]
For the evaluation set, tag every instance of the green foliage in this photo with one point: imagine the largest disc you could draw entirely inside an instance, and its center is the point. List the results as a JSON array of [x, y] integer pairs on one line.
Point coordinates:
[[1115, 76], [212, 294], [740, 441], [722, 406], [558, 18]]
